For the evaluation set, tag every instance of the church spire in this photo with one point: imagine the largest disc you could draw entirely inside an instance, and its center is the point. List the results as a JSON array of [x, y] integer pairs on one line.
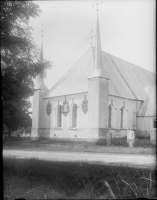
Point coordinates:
[[40, 78], [41, 51], [99, 70]]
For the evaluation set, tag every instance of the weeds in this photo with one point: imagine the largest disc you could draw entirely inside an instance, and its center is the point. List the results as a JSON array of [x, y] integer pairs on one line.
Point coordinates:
[[37, 179]]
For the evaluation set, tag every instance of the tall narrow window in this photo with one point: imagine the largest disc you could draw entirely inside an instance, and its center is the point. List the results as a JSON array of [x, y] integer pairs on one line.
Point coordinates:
[[154, 123], [59, 116], [74, 116], [111, 115], [123, 123]]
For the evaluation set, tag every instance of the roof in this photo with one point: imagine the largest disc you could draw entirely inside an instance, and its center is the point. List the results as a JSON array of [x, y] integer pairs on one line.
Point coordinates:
[[126, 79]]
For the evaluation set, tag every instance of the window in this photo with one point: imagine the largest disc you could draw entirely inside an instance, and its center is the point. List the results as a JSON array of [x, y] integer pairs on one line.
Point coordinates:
[[154, 123], [74, 116], [59, 116], [123, 123], [111, 115]]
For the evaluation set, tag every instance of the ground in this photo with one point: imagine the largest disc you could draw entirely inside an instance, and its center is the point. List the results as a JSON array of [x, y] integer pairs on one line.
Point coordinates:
[[105, 158]]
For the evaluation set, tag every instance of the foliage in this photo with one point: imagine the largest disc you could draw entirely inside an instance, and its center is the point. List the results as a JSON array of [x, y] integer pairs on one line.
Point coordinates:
[[20, 61], [114, 142], [144, 143], [38, 179], [142, 134]]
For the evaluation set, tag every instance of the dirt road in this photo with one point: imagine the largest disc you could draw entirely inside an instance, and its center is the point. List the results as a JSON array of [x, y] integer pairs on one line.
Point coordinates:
[[104, 158]]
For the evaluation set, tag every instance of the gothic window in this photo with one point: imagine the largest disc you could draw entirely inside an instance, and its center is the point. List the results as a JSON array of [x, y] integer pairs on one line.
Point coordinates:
[[111, 115], [74, 116], [59, 116], [154, 123], [123, 123]]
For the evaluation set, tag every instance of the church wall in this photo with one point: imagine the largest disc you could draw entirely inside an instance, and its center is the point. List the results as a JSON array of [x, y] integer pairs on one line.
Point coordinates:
[[48, 123], [131, 109], [66, 131], [145, 123]]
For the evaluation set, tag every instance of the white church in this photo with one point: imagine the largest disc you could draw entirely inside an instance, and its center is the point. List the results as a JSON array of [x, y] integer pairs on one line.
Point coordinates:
[[99, 94]]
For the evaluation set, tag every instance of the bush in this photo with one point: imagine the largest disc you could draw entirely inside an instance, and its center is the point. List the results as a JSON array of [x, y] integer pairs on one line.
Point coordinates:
[[101, 142], [114, 142], [144, 143], [119, 142], [142, 134]]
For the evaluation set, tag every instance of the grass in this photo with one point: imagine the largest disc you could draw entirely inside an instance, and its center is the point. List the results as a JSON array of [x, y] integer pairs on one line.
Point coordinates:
[[38, 179], [118, 145]]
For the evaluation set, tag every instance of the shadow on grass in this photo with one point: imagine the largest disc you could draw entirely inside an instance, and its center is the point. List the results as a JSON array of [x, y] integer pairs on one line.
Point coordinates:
[[38, 179]]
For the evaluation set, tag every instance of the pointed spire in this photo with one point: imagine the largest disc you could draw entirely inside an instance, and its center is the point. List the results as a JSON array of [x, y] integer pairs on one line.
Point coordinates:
[[99, 70], [41, 51], [40, 78]]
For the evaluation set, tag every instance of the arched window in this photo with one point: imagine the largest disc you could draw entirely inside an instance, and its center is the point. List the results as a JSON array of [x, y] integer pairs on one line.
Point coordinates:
[[59, 116], [123, 123], [111, 115], [154, 123], [74, 116]]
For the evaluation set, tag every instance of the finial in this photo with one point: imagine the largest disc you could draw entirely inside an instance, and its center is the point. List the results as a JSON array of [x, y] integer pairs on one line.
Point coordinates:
[[91, 38], [97, 6], [42, 30]]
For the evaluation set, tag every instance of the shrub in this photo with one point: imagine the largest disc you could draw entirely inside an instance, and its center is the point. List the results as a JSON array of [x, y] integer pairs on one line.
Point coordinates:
[[144, 143], [142, 134], [101, 142], [119, 142], [114, 142]]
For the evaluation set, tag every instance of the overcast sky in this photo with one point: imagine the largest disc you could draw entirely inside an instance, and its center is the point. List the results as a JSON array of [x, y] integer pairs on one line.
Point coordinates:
[[127, 29]]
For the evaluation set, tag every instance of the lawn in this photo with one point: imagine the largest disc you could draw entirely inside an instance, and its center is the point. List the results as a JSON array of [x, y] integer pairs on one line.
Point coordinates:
[[38, 179], [118, 145]]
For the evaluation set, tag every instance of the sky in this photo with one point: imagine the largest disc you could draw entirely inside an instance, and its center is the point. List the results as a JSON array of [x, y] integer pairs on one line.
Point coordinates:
[[127, 30]]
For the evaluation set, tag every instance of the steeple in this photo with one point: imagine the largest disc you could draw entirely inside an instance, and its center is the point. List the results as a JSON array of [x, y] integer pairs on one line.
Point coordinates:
[[41, 52], [40, 78], [99, 70]]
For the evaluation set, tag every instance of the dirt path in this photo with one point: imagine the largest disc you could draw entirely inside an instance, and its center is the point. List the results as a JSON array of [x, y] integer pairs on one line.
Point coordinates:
[[104, 158]]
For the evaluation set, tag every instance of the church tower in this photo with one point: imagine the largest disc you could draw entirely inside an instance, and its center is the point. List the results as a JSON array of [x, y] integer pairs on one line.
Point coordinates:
[[97, 92], [40, 90]]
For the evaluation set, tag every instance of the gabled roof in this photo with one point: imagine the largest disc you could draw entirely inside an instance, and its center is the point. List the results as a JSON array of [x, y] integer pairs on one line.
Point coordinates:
[[126, 79]]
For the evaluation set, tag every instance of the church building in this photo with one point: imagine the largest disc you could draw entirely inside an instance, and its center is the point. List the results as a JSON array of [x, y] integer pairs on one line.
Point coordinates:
[[99, 94]]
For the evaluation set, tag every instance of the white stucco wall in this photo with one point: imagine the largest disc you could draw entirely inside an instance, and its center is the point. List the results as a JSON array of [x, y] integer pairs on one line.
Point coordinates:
[[131, 109], [49, 122]]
